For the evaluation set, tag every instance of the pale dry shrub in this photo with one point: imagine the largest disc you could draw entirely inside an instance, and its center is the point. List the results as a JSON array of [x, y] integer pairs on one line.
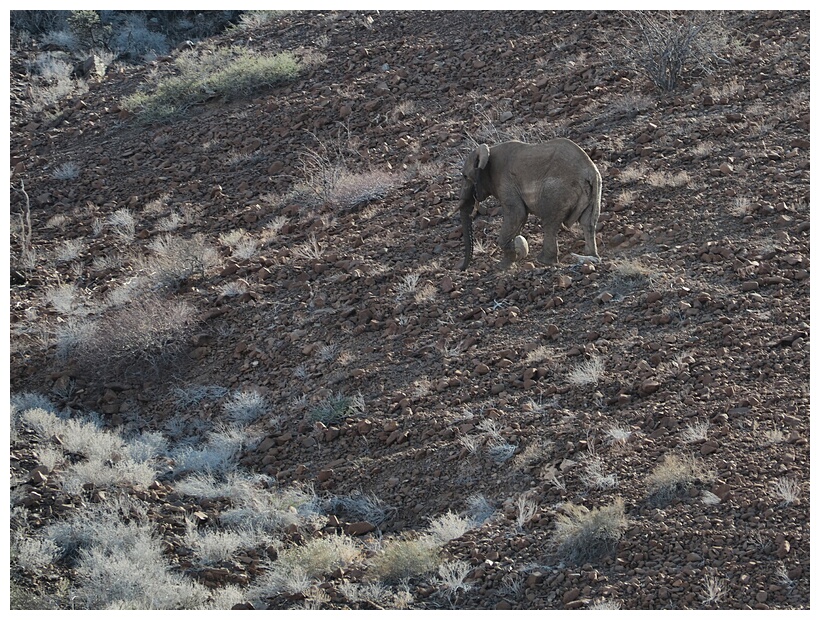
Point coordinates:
[[526, 508], [539, 354], [534, 453], [588, 372], [408, 285], [667, 179], [321, 556], [449, 526], [352, 189], [212, 547], [175, 259], [665, 45], [359, 506], [479, 508], [425, 293], [630, 274], [452, 576], [582, 535], [234, 288], [633, 173], [119, 561], [371, 592], [673, 478], [403, 558], [104, 474], [309, 250], [618, 434], [245, 407], [34, 555], [714, 589], [697, 431], [604, 605], [288, 580], [62, 297], [68, 250], [138, 339], [123, 223], [233, 237], [593, 475], [66, 171], [709, 498], [787, 490], [59, 221], [218, 454], [501, 452]]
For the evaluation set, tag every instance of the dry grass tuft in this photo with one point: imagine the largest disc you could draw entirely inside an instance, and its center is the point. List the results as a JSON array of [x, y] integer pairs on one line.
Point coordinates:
[[403, 558], [584, 535], [673, 478]]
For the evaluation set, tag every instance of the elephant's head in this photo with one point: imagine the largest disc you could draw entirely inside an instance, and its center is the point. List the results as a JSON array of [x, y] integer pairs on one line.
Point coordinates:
[[474, 189]]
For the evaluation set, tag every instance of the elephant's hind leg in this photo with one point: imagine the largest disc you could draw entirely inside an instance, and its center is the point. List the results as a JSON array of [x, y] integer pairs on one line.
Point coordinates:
[[549, 253], [588, 221], [515, 216]]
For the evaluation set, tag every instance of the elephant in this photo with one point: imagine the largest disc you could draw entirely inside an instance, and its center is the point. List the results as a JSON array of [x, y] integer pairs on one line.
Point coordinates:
[[555, 180]]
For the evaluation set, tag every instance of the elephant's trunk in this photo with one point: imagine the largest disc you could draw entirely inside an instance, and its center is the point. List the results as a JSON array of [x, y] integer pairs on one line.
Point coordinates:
[[467, 230]]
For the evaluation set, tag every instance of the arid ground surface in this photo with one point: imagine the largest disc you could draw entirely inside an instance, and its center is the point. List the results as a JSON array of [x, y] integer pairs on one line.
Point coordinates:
[[672, 376]]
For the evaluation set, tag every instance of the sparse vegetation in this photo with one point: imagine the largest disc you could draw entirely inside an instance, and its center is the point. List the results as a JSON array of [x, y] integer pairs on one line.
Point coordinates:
[[337, 407], [695, 432], [403, 558], [525, 510], [246, 407], [176, 259], [673, 478], [226, 73], [593, 475], [66, 171], [449, 526], [588, 372], [138, 339], [665, 45], [714, 589], [583, 535], [319, 556], [787, 490], [268, 385]]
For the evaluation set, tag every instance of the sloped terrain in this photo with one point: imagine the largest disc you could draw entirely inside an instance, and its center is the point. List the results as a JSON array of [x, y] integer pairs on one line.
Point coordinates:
[[390, 373]]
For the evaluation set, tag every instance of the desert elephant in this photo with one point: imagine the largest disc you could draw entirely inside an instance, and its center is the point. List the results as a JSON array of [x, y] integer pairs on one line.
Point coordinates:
[[555, 180]]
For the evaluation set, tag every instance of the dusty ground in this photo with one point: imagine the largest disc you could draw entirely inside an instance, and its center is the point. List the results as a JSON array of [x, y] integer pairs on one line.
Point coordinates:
[[698, 312]]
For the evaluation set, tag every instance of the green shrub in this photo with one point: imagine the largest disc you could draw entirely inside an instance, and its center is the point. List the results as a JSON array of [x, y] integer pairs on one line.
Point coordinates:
[[229, 74], [89, 29], [404, 558], [336, 407]]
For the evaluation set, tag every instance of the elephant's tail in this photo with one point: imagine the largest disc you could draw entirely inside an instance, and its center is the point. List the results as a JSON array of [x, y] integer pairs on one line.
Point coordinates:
[[587, 211], [589, 217]]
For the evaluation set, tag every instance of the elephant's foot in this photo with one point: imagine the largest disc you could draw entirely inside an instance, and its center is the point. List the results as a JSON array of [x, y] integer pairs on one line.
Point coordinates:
[[547, 260]]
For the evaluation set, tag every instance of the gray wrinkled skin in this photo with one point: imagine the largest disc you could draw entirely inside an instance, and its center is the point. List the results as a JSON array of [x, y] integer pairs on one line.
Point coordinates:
[[555, 180]]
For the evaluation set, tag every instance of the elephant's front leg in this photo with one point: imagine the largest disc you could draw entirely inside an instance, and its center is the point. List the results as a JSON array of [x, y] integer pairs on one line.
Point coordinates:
[[515, 216]]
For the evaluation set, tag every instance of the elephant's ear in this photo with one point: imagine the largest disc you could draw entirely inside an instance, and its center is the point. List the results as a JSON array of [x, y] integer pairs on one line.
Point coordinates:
[[483, 156]]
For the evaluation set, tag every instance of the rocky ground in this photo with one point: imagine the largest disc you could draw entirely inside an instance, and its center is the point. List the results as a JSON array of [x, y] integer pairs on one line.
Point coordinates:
[[697, 315]]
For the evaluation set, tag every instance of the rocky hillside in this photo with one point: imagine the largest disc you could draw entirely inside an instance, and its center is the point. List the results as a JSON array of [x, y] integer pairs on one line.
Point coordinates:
[[287, 263]]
